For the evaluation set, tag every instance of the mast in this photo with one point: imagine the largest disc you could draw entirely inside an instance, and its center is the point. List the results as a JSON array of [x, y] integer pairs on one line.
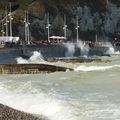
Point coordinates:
[[77, 28], [107, 3], [65, 27], [6, 24], [96, 32], [25, 21], [28, 32], [10, 21], [48, 27], [96, 37], [2, 30]]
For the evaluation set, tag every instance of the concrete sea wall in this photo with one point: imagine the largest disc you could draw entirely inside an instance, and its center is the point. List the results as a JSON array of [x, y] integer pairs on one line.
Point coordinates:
[[30, 68], [8, 55], [78, 60]]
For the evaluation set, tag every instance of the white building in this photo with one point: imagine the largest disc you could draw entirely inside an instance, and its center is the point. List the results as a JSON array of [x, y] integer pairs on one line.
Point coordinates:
[[10, 39]]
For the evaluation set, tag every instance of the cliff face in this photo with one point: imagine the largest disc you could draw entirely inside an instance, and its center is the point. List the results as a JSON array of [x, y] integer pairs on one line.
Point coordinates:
[[94, 15]]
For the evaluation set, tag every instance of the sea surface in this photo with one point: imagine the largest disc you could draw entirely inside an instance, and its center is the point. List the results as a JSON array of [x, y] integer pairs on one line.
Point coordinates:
[[90, 92]]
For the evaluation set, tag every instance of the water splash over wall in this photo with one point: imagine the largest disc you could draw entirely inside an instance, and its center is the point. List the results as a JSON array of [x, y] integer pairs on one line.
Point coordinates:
[[111, 49], [84, 49], [35, 58], [70, 49]]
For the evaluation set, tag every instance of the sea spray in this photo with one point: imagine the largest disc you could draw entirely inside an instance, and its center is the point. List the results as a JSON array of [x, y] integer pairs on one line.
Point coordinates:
[[70, 49], [35, 58], [65, 96], [27, 95], [84, 49], [111, 49], [85, 68]]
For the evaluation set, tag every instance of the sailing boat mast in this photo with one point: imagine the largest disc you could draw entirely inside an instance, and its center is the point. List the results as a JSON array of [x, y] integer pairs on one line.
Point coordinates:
[[6, 22], [2, 30], [107, 3], [96, 37], [77, 28], [25, 21], [10, 21], [65, 27], [48, 27], [27, 32]]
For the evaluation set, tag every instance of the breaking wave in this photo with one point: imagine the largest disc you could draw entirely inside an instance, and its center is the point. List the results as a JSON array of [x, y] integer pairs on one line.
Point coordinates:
[[28, 98], [84, 49], [111, 49], [35, 58], [85, 68], [70, 49]]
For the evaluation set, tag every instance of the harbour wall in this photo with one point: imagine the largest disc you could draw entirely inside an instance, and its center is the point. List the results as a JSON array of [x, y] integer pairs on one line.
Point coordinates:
[[8, 55], [30, 68]]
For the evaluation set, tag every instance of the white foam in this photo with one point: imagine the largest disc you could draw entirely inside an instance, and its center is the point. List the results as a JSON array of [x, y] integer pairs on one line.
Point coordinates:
[[111, 49], [94, 68], [70, 49], [31, 94], [20, 60], [35, 58], [84, 49], [23, 98]]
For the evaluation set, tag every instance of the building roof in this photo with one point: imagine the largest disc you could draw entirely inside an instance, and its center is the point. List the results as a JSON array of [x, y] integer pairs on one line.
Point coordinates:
[[57, 37], [9, 39]]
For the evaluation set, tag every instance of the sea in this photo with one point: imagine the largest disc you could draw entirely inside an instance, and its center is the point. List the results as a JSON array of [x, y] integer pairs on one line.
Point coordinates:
[[90, 92]]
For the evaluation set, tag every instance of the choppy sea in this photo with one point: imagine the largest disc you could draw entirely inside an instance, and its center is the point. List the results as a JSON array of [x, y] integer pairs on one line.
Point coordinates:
[[90, 92]]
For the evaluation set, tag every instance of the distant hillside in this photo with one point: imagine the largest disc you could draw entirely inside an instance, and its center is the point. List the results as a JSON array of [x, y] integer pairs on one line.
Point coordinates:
[[99, 15]]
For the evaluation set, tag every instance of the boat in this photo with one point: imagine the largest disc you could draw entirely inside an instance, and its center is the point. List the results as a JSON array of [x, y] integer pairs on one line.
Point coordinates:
[[54, 46]]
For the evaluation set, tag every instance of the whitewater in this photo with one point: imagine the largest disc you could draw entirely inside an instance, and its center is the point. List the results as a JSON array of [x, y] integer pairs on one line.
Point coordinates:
[[90, 92]]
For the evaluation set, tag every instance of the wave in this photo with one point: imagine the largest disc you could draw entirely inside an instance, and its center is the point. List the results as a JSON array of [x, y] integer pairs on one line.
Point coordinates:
[[35, 58], [31, 99], [95, 68]]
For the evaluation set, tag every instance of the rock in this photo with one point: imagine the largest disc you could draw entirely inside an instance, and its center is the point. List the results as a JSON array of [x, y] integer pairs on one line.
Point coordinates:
[[7, 113]]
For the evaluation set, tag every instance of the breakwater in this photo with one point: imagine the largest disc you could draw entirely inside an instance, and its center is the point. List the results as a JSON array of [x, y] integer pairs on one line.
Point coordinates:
[[30, 68], [78, 60]]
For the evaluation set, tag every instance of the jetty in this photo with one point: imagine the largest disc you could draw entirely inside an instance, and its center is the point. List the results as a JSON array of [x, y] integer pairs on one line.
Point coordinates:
[[115, 55], [30, 68], [77, 60]]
